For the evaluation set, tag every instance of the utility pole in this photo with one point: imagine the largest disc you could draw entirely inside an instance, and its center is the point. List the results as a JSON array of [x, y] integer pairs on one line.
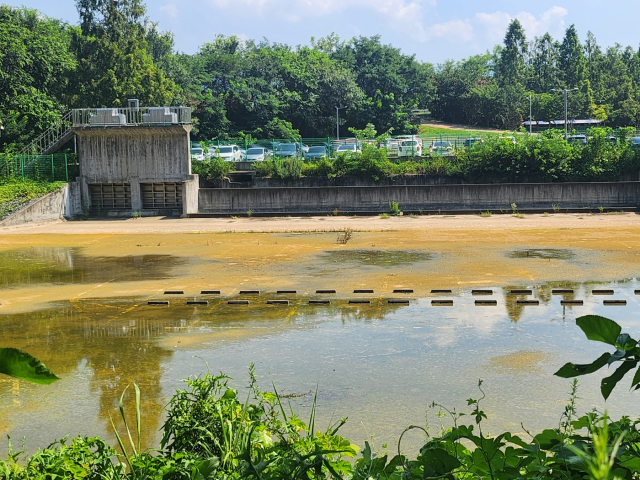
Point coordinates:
[[566, 91], [338, 121], [530, 116]]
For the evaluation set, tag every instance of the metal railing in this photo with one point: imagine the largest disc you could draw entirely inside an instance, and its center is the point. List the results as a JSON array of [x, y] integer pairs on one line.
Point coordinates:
[[51, 168], [59, 132], [105, 117]]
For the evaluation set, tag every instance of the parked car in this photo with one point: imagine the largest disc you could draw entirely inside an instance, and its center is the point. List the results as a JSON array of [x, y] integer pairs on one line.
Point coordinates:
[[316, 152], [229, 153], [348, 148], [577, 139], [634, 142], [442, 148], [409, 148], [257, 154], [197, 153], [288, 150], [469, 142], [612, 139]]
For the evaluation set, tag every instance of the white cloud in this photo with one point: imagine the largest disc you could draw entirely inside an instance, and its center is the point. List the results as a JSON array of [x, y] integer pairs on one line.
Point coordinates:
[[495, 24], [453, 30], [171, 9]]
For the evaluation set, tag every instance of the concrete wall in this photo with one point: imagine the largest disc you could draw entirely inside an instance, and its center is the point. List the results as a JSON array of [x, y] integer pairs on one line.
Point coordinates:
[[413, 198], [343, 181], [134, 155], [50, 207]]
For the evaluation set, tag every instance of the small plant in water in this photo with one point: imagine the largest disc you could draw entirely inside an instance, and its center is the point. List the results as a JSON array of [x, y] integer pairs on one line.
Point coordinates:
[[344, 237]]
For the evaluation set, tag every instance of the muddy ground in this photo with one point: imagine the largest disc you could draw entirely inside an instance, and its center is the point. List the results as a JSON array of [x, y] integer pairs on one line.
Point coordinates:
[[304, 254]]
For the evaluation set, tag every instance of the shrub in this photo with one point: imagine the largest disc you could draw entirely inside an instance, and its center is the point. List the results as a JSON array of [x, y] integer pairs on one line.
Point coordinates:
[[212, 168], [287, 168]]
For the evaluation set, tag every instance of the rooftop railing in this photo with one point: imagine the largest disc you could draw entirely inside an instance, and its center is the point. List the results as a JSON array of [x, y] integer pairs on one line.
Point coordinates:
[[104, 117]]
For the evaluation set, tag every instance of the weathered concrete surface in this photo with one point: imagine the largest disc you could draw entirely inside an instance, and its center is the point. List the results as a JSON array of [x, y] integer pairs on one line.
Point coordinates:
[[50, 207], [73, 205], [343, 181], [133, 155], [414, 198], [190, 195]]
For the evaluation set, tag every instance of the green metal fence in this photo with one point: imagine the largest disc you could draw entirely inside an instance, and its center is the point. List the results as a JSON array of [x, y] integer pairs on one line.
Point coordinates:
[[46, 168]]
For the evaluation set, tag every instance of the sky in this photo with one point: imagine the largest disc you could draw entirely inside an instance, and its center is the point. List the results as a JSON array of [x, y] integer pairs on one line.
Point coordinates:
[[433, 30]]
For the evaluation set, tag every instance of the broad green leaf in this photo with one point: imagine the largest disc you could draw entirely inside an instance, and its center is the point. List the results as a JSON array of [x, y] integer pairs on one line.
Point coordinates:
[[617, 355], [547, 439], [440, 461], [636, 379], [600, 329], [607, 384], [570, 370], [21, 365]]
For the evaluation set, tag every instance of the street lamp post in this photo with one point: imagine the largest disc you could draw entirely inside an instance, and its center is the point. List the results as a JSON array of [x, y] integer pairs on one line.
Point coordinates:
[[566, 91], [338, 121], [530, 111]]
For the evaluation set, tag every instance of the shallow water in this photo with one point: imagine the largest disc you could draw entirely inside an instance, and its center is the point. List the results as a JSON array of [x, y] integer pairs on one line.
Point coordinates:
[[68, 265], [379, 364]]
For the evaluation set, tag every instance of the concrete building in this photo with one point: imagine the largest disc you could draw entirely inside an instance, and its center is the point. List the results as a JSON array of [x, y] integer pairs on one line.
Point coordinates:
[[135, 160]]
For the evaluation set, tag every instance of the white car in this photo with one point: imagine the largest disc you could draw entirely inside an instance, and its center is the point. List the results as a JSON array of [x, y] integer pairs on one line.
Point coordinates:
[[197, 153], [348, 148], [410, 148], [442, 148], [257, 154], [228, 153]]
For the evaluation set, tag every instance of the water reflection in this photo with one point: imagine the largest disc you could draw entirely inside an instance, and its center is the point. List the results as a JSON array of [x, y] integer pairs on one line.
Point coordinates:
[[68, 265], [378, 258], [374, 362]]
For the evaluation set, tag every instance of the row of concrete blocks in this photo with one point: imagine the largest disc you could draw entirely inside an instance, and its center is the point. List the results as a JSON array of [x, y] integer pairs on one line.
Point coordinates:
[[392, 301], [516, 291]]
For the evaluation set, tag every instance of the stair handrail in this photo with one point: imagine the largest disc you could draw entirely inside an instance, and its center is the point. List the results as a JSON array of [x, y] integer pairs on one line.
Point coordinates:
[[50, 136]]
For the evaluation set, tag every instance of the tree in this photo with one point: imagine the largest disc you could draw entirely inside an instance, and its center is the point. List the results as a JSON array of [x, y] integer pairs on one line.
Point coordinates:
[[571, 60], [113, 61], [35, 64], [511, 64], [393, 84]]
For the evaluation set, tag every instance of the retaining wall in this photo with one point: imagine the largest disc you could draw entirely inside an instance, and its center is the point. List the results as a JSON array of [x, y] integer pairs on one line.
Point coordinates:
[[539, 196], [50, 207]]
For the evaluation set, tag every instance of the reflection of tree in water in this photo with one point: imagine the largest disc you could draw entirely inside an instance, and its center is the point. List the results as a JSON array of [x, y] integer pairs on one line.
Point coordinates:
[[119, 352]]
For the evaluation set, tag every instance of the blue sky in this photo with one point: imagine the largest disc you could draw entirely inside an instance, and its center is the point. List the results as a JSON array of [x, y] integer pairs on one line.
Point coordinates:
[[433, 30]]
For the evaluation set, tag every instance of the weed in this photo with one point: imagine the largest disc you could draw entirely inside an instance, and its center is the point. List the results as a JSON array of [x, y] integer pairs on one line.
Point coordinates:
[[555, 207], [514, 208], [344, 237], [385, 215], [395, 208], [135, 214], [601, 209], [486, 213], [413, 215], [233, 217], [249, 213], [545, 214], [335, 212]]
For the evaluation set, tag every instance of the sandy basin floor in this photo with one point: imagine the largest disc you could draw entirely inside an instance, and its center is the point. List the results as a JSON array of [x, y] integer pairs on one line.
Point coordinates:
[[303, 253]]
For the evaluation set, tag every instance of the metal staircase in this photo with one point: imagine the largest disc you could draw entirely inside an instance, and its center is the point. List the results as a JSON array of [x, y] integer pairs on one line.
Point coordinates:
[[52, 139]]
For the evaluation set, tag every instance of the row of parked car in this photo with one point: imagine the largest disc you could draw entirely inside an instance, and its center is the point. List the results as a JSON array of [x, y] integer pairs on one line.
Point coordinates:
[[403, 146]]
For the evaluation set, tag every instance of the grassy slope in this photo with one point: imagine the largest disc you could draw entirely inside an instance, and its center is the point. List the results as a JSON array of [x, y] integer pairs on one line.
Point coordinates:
[[16, 193]]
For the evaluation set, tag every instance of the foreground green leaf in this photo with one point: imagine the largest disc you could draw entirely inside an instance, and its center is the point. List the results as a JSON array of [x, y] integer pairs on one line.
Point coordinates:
[[570, 370], [600, 329], [23, 366]]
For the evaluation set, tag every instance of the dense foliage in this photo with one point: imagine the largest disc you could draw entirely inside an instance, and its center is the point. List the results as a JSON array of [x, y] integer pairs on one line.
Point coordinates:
[[547, 157], [271, 90]]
